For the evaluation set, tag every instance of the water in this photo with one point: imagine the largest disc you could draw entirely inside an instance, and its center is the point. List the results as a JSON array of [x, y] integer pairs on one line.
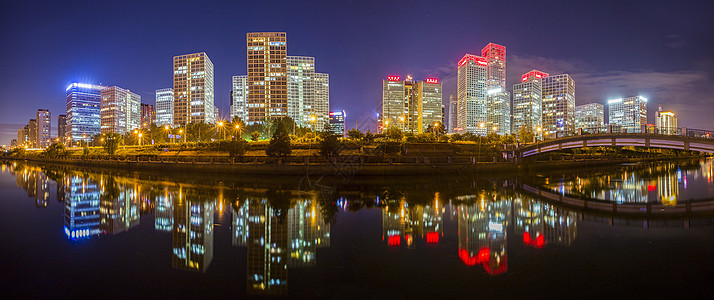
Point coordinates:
[[71, 232]]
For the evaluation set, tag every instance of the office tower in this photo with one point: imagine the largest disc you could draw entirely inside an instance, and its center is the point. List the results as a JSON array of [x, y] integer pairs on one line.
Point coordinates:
[[13, 143], [321, 102], [301, 89], [32, 134], [558, 106], [148, 115], [165, 107], [44, 128], [193, 89], [527, 103], [267, 76], [498, 99], [62, 128], [23, 136], [666, 122], [428, 102], [453, 113], [590, 117], [216, 113], [471, 89], [629, 113], [239, 95], [192, 234], [120, 110], [337, 122], [393, 103], [83, 111]]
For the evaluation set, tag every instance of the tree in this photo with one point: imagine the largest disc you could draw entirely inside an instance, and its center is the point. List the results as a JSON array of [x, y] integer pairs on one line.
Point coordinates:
[[395, 134], [56, 150], [111, 143], [329, 144], [525, 134], [240, 129], [255, 136], [355, 135], [369, 136], [237, 148], [279, 144]]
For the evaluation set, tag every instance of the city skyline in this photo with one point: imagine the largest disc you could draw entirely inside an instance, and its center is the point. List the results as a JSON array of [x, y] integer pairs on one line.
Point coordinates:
[[600, 76]]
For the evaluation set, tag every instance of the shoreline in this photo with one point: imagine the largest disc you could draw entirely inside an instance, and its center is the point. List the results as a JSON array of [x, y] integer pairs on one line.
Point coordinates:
[[420, 166]]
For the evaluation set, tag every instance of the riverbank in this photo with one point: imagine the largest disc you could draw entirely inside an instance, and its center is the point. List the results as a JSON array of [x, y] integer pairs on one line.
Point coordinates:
[[344, 166]]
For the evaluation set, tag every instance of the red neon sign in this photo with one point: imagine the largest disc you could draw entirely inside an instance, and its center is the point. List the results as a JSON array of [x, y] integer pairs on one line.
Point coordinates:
[[534, 74], [432, 80], [539, 241], [492, 50], [432, 238], [393, 78], [470, 57], [466, 258]]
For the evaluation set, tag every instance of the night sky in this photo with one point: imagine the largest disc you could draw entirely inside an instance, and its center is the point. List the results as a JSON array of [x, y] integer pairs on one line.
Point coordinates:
[[662, 50]]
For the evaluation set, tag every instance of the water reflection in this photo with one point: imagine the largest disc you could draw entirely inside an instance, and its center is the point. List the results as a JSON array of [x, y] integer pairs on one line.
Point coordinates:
[[663, 183], [283, 228]]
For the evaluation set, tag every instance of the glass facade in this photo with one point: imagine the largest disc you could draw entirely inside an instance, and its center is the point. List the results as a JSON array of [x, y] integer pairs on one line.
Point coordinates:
[[165, 107], [120, 110], [471, 88], [267, 76], [527, 103], [239, 93], [558, 106], [44, 128], [337, 122], [428, 102], [590, 117], [193, 89], [630, 114], [83, 113]]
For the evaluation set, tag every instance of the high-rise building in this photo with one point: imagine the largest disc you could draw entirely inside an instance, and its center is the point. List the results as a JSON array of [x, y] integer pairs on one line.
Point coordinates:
[[62, 128], [267, 76], [83, 111], [239, 94], [471, 89], [44, 128], [165, 107], [32, 134], [527, 103], [321, 102], [558, 106], [410, 105], [301, 89], [23, 136], [630, 113], [666, 122], [428, 102], [120, 110], [193, 89], [590, 117], [148, 115], [453, 113], [498, 99], [337, 122]]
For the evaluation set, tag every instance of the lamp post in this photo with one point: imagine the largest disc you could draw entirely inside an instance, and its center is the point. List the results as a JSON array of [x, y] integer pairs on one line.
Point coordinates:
[[140, 135], [435, 125], [184, 136], [218, 129], [240, 133], [168, 132]]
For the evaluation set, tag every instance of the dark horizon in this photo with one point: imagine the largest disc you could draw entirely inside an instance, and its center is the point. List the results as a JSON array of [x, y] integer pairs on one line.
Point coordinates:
[[651, 48]]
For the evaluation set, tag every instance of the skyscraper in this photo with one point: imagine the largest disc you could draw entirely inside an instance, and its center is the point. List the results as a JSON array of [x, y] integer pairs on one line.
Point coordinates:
[[83, 114], [193, 89], [527, 103], [453, 113], [165, 107], [590, 117], [394, 110], [630, 113], [32, 134], [301, 89], [23, 136], [148, 115], [498, 99], [666, 122], [120, 110], [471, 88], [321, 103], [267, 76], [62, 128], [428, 101], [558, 106], [44, 128], [239, 94]]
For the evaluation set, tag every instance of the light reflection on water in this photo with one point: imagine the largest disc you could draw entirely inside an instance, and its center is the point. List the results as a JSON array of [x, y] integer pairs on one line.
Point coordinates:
[[282, 229]]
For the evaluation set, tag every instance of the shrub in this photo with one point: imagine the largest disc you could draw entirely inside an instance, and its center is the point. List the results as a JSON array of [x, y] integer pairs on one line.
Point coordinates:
[[329, 145], [56, 150], [237, 148], [279, 144]]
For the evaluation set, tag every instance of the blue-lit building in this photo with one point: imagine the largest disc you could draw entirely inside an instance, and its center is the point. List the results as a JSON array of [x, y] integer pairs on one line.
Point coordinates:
[[83, 111], [337, 122], [81, 209]]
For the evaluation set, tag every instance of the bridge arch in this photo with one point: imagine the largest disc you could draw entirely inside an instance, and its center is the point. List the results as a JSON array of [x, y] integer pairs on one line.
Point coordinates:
[[619, 139]]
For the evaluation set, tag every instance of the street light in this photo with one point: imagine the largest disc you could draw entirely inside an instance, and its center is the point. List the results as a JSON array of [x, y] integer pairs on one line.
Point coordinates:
[[220, 126], [140, 139], [184, 136], [240, 133]]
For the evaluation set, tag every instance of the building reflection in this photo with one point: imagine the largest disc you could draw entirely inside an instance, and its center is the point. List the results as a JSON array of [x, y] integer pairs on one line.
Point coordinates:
[[407, 221], [192, 232], [118, 206], [81, 207], [482, 233], [276, 239], [36, 183], [164, 211], [541, 223]]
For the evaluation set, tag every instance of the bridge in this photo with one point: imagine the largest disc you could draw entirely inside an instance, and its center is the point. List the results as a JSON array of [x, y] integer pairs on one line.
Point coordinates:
[[680, 142]]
